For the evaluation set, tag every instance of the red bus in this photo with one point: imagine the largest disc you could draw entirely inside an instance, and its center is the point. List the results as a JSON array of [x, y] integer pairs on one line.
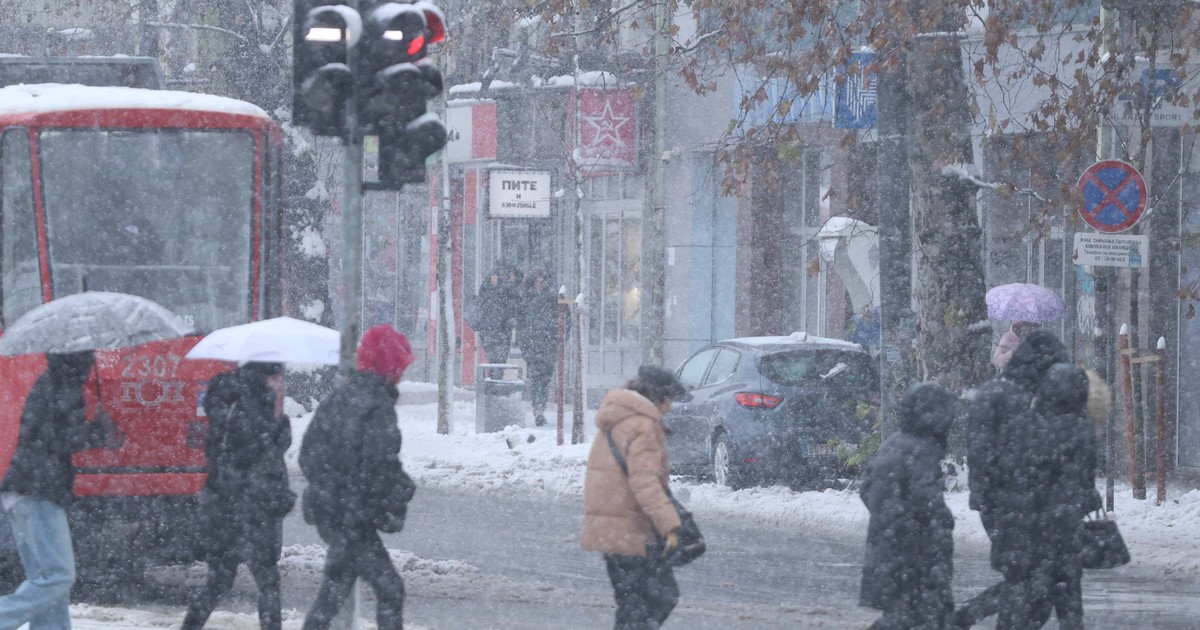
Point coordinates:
[[173, 196]]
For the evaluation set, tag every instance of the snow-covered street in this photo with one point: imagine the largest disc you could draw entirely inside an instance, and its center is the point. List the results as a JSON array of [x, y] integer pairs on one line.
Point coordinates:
[[522, 474]]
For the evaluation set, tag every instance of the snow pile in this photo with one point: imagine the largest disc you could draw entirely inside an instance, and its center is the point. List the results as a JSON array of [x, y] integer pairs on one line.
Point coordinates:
[[309, 560], [85, 617]]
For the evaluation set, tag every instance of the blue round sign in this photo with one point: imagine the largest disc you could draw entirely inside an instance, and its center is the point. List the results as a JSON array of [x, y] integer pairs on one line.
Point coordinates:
[[1114, 196]]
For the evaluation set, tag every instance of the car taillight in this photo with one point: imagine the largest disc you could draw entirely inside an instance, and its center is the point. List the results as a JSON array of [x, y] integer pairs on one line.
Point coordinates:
[[755, 400]]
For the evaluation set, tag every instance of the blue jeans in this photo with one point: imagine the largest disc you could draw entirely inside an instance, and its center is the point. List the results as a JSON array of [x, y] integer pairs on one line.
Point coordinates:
[[44, 543]]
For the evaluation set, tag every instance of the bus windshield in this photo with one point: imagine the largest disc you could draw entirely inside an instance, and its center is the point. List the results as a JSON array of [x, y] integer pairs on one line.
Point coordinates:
[[164, 214]]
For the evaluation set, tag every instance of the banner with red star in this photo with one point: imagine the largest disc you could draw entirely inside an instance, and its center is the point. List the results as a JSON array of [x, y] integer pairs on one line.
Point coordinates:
[[608, 130]]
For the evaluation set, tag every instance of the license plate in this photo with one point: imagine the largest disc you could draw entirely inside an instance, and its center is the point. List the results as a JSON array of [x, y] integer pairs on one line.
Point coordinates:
[[821, 450]]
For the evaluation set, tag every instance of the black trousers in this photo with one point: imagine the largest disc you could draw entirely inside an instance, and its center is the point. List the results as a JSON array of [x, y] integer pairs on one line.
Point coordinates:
[[259, 550], [351, 555], [540, 369], [1052, 587], [645, 591], [918, 608], [988, 602]]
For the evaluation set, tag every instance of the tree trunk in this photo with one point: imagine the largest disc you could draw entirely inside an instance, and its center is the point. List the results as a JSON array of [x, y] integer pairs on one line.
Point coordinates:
[[952, 337]]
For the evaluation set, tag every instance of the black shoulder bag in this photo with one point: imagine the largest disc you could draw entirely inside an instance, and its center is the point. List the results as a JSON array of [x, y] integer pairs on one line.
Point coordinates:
[[1103, 546], [691, 541]]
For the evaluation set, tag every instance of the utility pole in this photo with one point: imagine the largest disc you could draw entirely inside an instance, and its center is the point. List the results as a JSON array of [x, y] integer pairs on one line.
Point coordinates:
[[654, 236], [577, 433], [897, 327]]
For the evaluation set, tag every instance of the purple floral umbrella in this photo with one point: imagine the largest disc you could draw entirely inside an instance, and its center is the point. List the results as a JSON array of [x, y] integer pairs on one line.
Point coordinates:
[[1023, 302]]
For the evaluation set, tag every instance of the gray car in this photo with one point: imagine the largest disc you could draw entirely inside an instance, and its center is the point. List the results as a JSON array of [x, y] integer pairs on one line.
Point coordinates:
[[762, 409]]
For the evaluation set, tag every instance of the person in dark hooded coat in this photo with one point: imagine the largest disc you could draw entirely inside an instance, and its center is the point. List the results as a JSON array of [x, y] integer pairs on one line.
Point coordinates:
[[356, 484], [991, 461], [40, 484], [1046, 484], [246, 493], [909, 558], [493, 313], [537, 335]]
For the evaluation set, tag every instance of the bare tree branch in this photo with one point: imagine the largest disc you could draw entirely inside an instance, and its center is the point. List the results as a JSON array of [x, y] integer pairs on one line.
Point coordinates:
[[201, 27]]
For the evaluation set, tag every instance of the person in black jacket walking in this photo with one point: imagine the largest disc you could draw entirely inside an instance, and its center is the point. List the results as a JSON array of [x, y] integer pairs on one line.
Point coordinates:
[[39, 486], [1046, 484], [537, 335], [909, 558], [992, 463], [356, 484], [246, 493]]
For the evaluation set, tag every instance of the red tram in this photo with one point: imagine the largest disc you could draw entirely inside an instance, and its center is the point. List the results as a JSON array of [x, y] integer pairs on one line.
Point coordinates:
[[173, 196]]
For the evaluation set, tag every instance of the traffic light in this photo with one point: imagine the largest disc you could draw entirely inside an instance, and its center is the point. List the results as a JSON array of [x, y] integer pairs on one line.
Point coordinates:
[[395, 82], [376, 53], [324, 34]]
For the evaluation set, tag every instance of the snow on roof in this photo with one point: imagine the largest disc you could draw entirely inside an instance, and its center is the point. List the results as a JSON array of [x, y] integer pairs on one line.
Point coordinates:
[[56, 97], [593, 79], [792, 339], [465, 88]]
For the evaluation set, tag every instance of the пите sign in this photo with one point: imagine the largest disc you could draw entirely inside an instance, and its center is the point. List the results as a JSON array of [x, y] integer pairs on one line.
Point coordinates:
[[519, 194]]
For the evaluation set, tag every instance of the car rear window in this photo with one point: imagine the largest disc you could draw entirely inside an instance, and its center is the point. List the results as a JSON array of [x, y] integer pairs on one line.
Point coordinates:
[[815, 367]]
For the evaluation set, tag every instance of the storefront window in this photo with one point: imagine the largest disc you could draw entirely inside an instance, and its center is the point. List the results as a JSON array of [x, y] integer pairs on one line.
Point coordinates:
[[615, 253]]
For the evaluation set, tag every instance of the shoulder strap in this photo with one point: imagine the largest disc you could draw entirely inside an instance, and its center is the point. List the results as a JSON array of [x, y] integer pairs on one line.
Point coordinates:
[[612, 444]]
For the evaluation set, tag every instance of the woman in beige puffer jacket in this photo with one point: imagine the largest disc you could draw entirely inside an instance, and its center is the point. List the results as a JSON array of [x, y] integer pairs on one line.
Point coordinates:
[[630, 518]]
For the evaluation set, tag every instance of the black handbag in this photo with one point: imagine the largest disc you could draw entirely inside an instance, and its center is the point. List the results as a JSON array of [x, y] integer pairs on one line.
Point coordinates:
[[691, 540], [1103, 547]]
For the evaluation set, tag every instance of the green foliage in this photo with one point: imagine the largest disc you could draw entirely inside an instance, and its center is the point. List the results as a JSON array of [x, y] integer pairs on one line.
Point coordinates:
[[866, 448]]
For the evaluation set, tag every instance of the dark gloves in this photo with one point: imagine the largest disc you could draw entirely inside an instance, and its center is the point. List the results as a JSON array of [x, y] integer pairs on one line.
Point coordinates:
[[393, 521]]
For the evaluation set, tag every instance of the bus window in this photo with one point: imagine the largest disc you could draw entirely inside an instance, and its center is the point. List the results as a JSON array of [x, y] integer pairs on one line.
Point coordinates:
[[164, 214], [21, 285]]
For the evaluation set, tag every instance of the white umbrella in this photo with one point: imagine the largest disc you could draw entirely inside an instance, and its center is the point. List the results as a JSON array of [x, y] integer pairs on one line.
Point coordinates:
[[90, 321], [278, 340]]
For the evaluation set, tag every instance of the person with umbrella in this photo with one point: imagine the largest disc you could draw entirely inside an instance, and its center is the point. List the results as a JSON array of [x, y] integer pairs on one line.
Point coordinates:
[[1009, 342], [40, 481], [997, 406], [39, 486], [1027, 306], [246, 493]]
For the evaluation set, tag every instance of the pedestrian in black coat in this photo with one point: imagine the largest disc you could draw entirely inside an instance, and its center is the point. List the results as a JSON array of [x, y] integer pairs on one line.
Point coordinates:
[[1045, 486], [356, 484], [246, 493], [537, 335], [39, 486], [1008, 395], [909, 558], [54, 426], [494, 311]]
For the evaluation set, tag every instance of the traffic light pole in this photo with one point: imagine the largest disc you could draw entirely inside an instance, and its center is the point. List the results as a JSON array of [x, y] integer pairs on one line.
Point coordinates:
[[357, 73], [352, 245], [352, 240]]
